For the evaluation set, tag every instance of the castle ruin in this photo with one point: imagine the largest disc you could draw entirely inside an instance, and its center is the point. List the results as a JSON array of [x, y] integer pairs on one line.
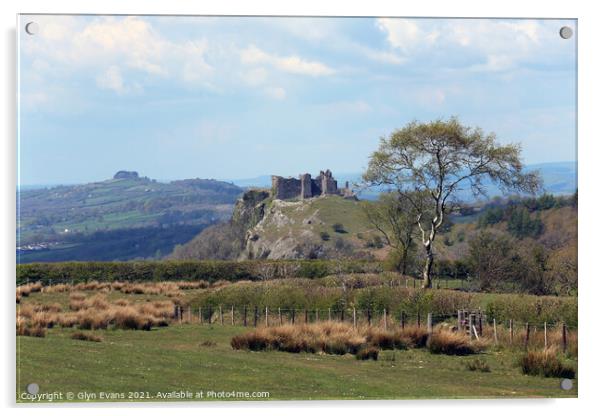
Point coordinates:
[[307, 187]]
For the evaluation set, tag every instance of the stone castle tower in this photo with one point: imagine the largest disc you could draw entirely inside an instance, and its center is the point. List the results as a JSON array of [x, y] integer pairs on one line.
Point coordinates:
[[307, 187]]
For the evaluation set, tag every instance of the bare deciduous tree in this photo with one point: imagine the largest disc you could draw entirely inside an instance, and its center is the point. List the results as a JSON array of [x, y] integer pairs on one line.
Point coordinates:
[[442, 158], [395, 219]]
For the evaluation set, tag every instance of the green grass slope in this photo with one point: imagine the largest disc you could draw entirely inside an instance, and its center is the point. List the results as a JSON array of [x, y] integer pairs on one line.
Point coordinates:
[[80, 222], [199, 359]]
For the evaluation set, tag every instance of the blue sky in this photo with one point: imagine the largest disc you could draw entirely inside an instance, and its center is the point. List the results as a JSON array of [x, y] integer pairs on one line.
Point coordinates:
[[229, 98]]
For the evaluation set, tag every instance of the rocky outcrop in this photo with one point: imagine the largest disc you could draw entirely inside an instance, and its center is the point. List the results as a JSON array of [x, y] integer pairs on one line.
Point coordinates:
[[126, 174], [250, 209]]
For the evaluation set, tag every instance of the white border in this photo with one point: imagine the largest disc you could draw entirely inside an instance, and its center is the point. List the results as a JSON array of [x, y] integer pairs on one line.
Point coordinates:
[[589, 174]]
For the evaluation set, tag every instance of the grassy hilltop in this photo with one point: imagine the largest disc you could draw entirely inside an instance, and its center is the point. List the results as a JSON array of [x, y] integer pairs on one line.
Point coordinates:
[[122, 218]]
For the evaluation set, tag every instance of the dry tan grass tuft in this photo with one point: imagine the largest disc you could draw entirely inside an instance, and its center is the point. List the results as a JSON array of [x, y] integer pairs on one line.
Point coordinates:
[[387, 340], [453, 343], [417, 336], [25, 290], [25, 329], [327, 337], [60, 288], [545, 363]]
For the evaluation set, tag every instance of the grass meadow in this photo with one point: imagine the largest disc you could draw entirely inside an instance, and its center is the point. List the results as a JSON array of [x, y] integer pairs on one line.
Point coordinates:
[[115, 338], [200, 358]]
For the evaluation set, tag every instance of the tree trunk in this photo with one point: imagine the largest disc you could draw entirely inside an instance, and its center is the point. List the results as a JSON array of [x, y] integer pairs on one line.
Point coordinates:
[[428, 265], [404, 262]]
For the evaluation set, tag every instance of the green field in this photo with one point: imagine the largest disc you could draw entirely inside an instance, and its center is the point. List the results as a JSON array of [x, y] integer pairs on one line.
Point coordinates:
[[196, 358]]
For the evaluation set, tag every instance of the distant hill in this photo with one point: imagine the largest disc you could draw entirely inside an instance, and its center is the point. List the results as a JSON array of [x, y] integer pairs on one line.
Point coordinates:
[[63, 222], [560, 178]]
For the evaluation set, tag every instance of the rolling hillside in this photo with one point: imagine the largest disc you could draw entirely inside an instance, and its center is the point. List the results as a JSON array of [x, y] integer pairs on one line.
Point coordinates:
[[117, 219]]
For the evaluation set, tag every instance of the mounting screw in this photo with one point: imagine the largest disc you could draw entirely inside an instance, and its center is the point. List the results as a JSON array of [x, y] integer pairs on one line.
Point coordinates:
[[566, 32], [33, 388], [32, 28]]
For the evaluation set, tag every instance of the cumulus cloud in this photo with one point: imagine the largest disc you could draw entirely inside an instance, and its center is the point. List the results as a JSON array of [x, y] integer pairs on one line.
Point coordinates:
[[112, 45], [111, 79], [291, 64], [484, 45]]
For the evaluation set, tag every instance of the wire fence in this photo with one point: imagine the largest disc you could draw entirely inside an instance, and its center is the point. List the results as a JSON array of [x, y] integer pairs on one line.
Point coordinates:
[[473, 323]]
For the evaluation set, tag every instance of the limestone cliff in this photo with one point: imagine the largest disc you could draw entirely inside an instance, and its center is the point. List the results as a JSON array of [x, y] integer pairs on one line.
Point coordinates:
[[264, 227], [312, 228]]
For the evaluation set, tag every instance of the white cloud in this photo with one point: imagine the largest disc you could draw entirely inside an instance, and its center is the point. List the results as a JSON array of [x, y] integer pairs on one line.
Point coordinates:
[[130, 43], [481, 44], [291, 64], [277, 93], [403, 34], [111, 79]]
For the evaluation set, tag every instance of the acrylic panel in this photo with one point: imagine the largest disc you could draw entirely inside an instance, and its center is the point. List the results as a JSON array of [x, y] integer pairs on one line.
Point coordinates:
[[295, 208]]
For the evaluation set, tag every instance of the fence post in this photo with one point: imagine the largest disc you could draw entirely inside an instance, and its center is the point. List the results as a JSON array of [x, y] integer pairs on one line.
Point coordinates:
[[210, 314], [470, 325], [528, 328], [317, 315], [232, 314], [343, 314], [175, 312], [545, 335], [354, 319], [494, 331], [244, 316], [385, 317], [402, 322], [564, 338], [474, 328], [414, 283], [429, 324], [256, 317], [293, 317], [306, 316], [459, 320], [266, 317], [511, 332], [369, 317], [418, 319], [480, 323], [329, 318], [279, 316]]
